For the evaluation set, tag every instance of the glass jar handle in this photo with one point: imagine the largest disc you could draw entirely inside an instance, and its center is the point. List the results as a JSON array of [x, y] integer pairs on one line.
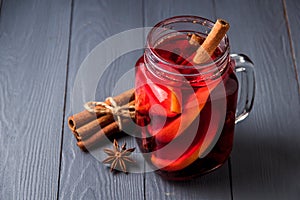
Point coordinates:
[[244, 66]]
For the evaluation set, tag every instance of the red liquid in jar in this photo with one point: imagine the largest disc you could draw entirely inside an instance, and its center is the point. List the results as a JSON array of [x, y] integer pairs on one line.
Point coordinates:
[[173, 149]]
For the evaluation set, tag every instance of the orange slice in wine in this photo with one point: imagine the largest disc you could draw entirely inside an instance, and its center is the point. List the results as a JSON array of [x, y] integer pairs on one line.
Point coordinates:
[[164, 158], [175, 106], [193, 106]]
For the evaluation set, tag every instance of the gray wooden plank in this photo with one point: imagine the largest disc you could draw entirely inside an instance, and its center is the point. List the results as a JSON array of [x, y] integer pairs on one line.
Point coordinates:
[[156, 11], [33, 56], [82, 175], [212, 186], [293, 18], [264, 159]]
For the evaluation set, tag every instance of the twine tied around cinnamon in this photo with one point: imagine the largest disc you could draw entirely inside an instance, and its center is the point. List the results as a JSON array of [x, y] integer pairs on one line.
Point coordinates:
[[126, 110]]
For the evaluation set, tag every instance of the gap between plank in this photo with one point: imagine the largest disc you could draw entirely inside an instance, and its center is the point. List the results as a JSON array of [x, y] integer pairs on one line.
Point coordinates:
[[291, 42], [65, 97], [1, 3]]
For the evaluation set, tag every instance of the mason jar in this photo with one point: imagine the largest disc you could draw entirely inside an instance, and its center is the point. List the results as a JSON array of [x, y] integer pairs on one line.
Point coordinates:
[[187, 111]]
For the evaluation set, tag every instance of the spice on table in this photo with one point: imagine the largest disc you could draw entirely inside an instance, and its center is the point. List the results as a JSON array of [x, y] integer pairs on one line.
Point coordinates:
[[96, 139], [118, 158], [102, 119], [79, 119]]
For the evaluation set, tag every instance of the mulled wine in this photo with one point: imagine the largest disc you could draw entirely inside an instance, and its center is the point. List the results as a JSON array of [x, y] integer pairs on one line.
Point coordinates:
[[186, 110]]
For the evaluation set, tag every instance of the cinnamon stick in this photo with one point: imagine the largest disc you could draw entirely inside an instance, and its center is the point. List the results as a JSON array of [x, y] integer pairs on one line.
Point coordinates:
[[211, 42], [84, 117], [79, 119], [124, 97], [98, 137], [196, 40], [94, 126]]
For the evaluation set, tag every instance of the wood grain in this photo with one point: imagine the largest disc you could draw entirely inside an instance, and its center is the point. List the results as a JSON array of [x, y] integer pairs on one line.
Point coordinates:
[[212, 186], [82, 175], [33, 57], [293, 21], [264, 162]]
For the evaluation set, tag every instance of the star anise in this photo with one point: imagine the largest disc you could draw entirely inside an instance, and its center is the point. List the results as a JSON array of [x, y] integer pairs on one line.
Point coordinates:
[[118, 157]]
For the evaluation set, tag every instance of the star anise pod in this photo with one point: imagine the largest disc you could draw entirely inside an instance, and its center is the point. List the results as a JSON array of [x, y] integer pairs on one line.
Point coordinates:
[[118, 157]]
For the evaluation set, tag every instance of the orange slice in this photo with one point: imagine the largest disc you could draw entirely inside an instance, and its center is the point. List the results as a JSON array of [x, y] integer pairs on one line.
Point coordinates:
[[175, 103], [190, 111], [196, 149], [180, 163]]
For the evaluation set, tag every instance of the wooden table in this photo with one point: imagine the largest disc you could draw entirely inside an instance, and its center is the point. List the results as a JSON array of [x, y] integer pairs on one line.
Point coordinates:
[[43, 43]]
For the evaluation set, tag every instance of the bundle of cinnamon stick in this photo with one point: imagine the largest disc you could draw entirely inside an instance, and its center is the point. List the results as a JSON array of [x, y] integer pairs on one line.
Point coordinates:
[[90, 128]]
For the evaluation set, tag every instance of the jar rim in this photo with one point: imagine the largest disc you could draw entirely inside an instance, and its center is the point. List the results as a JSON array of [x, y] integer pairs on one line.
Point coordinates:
[[189, 19]]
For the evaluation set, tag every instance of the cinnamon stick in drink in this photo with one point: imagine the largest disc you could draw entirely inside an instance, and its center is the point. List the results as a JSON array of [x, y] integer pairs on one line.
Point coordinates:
[[211, 42], [196, 40]]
